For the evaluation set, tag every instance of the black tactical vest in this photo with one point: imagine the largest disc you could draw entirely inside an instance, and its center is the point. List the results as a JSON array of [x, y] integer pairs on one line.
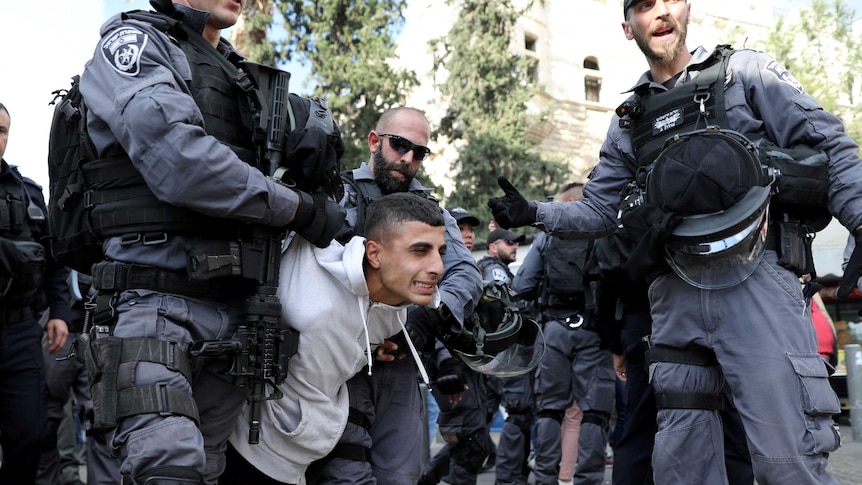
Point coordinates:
[[122, 203], [565, 272], [692, 105], [366, 192], [22, 268]]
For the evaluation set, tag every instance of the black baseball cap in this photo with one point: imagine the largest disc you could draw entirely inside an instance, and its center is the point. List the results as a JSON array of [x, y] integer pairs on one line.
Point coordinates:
[[461, 215], [505, 235]]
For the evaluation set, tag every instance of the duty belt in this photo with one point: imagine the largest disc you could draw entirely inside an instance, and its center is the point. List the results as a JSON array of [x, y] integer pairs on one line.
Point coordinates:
[[15, 315], [112, 276]]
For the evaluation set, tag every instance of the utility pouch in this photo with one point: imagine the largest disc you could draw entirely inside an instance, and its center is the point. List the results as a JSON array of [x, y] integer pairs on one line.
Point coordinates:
[[206, 260], [100, 353], [22, 266], [793, 245]]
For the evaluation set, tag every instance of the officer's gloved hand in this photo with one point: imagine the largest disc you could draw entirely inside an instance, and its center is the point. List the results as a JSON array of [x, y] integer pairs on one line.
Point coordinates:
[[318, 218], [512, 210], [649, 227], [423, 324], [854, 268], [451, 378]]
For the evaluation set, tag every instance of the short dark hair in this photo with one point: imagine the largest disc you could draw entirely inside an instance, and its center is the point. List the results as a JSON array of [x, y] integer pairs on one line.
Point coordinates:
[[383, 215], [3, 107], [574, 190]]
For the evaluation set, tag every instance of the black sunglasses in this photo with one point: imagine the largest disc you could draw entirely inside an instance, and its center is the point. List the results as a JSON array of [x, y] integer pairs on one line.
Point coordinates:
[[403, 145]]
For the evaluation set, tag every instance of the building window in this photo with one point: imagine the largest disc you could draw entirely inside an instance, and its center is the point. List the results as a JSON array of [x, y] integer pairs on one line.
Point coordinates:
[[592, 80], [592, 88], [531, 50]]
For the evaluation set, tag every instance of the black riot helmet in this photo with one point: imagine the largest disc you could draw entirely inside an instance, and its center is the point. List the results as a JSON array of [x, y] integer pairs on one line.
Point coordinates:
[[497, 339], [714, 179]]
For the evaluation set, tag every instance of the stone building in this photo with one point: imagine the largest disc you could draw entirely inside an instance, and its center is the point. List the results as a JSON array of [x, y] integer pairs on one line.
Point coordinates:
[[585, 65]]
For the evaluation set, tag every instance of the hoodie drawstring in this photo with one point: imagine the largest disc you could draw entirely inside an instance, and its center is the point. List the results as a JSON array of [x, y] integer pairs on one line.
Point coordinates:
[[365, 326], [368, 352], [416, 358]]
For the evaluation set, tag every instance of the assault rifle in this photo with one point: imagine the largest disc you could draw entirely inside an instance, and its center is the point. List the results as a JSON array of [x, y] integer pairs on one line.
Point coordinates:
[[259, 349]]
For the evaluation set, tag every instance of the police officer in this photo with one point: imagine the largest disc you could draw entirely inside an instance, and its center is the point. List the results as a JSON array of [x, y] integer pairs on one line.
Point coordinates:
[[463, 421], [31, 281], [513, 447], [168, 105], [466, 223], [68, 397], [575, 368], [711, 337], [383, 437]]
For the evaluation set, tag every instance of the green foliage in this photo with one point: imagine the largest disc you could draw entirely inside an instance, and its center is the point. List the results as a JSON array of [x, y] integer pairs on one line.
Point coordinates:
[[822, 52], [487, 89], [349, 45], [253, 43]]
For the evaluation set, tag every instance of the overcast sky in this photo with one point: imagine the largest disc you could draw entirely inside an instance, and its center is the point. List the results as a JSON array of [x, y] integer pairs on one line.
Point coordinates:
[[44, 43]]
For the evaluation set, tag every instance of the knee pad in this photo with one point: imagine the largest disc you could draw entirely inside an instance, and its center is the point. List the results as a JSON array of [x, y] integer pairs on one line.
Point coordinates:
[[472, 452], [555, 414], [521, 419], [598, 418], [169, 475], [695, 355]]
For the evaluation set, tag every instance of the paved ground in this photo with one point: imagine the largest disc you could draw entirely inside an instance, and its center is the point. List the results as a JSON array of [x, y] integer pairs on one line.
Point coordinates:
[[845, 464]]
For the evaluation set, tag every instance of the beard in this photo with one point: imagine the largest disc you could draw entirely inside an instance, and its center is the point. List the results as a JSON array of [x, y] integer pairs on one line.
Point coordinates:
[[669, 52], [383, 173]]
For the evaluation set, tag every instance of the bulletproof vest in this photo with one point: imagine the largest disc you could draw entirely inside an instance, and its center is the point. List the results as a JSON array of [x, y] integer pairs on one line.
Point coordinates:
[[22, 262], [564, 273], [366, 192], [652, 118], [123, 205]]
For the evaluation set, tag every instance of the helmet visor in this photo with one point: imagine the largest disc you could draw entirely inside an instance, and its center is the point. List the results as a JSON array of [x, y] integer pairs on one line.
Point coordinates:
[[515, 360], [723, 262]]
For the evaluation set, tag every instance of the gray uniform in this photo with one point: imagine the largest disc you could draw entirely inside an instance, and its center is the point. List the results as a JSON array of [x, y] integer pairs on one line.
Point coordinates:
[[574, 368], [389, 400], [759, 330], [513, 448], [143, 104]]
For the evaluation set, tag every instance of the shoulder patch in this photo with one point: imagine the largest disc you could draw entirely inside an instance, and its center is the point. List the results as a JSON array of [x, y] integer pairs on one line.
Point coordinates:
[[122, 49], [499, 274], [783, 75]]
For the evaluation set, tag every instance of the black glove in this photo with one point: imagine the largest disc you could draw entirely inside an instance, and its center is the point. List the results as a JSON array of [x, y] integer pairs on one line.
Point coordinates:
[[318, 218], [649, 227], [423, 324], [512, 210], [451, 378], [853, 269]]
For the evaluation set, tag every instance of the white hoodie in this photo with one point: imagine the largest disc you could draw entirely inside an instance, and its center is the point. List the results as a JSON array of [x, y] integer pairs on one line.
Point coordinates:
[[325, 298]]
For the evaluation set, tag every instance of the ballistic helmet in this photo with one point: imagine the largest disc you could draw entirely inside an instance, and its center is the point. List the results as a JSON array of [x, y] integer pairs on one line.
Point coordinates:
[[713, 178], [497, 339]]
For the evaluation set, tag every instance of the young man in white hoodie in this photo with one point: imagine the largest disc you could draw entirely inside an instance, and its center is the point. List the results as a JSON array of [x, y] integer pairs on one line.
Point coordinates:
[[343, 301]]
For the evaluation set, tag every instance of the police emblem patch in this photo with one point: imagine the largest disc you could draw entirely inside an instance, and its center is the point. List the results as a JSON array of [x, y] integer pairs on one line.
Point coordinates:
[[783, 75], [122, 49], [500, 275]]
